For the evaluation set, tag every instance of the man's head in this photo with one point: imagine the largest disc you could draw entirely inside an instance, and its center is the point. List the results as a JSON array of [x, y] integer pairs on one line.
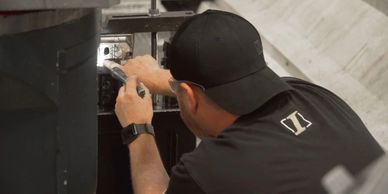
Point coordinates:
[[219, 57], [203, 116]]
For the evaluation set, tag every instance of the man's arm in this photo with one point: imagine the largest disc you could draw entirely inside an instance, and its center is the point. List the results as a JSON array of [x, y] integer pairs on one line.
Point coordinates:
[[147, 171], [148, 71]]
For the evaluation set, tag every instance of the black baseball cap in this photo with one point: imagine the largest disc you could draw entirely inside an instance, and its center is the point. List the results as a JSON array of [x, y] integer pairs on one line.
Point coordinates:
[[223, 52]]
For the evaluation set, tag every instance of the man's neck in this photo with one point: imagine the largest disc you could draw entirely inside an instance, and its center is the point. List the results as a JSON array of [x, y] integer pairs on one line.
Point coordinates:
[[219, 121]]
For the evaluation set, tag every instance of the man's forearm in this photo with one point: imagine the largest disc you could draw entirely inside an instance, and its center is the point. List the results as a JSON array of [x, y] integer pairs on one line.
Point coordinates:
[[148, 173]]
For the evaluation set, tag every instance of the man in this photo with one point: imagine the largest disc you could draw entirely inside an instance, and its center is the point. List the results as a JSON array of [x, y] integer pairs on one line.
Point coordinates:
[[260, 133]]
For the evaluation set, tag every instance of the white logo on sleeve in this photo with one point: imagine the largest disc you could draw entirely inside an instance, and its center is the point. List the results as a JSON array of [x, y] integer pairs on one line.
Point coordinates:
[[296, 123]]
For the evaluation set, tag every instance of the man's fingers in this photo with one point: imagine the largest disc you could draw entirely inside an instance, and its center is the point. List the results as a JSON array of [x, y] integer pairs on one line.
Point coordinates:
[[127, 69], [147, 91], [120, 97], [132, 61], [130, 85]]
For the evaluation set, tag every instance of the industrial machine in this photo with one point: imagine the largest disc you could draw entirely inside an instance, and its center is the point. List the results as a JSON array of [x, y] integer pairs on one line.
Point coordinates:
[[58, 131]]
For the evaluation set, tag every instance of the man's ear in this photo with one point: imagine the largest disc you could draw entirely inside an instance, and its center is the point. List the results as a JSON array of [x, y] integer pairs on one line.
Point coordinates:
[[190, 98]]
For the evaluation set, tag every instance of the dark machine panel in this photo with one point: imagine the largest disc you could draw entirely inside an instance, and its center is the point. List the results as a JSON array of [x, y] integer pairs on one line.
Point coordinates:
[[48, 144]]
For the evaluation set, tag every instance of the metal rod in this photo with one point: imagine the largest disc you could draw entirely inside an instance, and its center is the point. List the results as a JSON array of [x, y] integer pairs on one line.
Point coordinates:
[[154, 45], [157, 98], [153, 4], [154, 41]]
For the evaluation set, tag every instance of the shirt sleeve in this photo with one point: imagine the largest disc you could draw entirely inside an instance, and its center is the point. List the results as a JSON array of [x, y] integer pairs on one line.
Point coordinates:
[[182, 182]]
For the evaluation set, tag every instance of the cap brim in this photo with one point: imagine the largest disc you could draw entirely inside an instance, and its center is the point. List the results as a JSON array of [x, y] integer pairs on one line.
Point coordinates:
[[247, 94]]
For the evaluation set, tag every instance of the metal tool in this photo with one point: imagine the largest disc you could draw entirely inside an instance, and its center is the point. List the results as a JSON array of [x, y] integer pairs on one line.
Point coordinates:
[[118, 74]]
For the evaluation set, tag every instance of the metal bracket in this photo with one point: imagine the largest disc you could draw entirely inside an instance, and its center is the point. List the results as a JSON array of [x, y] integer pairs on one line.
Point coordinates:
[[166, 21]]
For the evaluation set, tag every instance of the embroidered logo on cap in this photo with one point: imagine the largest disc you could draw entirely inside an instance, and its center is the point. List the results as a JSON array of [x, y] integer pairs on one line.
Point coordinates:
[[296, 123]]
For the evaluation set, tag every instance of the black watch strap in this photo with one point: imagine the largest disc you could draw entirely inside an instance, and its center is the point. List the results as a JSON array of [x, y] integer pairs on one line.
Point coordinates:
[[132, 131]]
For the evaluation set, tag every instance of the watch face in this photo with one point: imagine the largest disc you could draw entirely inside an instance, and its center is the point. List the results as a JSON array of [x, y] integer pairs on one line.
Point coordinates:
[[128, 134]]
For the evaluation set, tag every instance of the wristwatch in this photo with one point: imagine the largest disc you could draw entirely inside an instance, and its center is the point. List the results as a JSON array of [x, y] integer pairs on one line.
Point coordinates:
[[132, 131]]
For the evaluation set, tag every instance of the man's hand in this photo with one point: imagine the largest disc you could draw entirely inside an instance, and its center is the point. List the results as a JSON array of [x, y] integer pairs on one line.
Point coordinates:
[[148, 71], [130, 107], [144, 67]]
